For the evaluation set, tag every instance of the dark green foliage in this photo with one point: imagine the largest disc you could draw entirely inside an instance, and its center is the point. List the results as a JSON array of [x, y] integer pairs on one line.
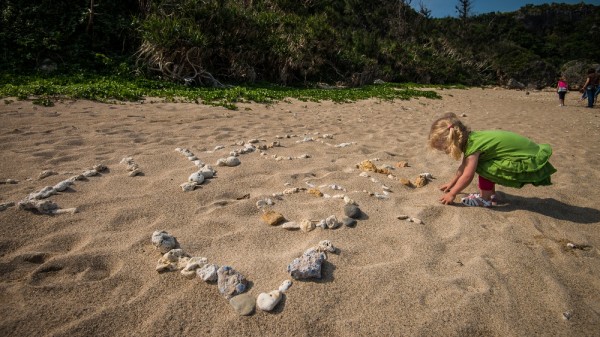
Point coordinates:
[[291, 42], [66, 34]]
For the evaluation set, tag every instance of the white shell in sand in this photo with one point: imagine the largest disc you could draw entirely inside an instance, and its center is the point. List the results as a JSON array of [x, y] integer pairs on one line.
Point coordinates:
[[192, 265], [307, 225], [229, 161], [189, 186], [268, 301], [63, 185], [291, 225], [196, 177], [325, 246], [285, 285]]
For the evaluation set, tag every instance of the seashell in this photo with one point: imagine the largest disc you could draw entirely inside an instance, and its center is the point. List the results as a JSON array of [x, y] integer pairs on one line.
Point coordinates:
[[364, 175], [325, 246], [208, 272], [291, 225], [63, 185], [307, 225], [420, 181], [230, 282], [164, 241], [46, 174], [386, 188], [6, 205], [416, 220], [194, 263], [343, 145], [426, 175], [332, 222], [196, 177], [189, 186], [218, 147], [268, 301], [243, 304], [272, 218], [285, 285], [381, 196], [90, 173], [315, 192]]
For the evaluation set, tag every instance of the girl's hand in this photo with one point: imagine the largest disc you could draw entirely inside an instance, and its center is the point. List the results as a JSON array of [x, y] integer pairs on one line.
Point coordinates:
[[446, 187], [447, 198]]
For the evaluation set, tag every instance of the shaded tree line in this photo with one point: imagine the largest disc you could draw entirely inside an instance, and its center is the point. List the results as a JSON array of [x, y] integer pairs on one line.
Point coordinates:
[[297, 42]]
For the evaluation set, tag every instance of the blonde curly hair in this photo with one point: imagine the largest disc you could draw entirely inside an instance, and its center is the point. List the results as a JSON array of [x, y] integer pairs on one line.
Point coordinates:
[[449, 134]]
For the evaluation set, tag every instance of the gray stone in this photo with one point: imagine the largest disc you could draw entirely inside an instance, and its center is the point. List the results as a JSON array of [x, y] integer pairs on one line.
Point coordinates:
[[243, 304], [230, 282], [352, 211], [308, 265]]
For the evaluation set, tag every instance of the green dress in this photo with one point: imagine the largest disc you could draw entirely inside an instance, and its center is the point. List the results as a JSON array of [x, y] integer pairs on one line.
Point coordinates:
[[510, 159]]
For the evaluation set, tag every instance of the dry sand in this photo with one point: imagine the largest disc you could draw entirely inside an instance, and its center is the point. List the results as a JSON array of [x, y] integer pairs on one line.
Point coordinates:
[[464, 272]]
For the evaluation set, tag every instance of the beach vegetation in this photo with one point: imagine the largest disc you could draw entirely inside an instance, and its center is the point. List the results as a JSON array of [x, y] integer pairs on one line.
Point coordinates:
[[114, 49]]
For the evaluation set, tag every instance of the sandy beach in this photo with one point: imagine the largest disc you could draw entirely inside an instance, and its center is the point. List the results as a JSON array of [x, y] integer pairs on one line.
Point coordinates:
[[528, 267]]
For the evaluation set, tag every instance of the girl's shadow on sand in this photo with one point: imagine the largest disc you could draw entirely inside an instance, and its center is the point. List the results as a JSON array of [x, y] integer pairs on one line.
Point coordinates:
[[549, 207]]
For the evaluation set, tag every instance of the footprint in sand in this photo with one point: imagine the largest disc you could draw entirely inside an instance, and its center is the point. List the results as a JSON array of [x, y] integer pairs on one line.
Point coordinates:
[[74, 269]]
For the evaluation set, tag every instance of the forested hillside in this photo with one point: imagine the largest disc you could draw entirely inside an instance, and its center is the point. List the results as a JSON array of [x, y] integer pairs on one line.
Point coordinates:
[[293, 42]]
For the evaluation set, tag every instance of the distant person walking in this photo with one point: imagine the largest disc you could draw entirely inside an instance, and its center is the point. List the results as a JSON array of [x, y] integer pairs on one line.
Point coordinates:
[[591, 83], [562, 89]]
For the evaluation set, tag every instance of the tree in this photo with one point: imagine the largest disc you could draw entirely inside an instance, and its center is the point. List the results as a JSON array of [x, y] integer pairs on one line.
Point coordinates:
[[464, 9]]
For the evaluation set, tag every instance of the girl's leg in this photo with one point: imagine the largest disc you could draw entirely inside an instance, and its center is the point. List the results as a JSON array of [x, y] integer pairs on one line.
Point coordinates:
[[488, 188]]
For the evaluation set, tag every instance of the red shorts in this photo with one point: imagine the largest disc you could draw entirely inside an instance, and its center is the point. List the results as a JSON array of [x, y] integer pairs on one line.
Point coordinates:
[[486, 185]]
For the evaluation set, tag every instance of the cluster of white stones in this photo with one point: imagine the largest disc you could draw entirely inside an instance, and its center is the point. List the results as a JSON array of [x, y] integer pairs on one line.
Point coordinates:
[[231, 284], [198, 177], [34, 201], [132, 166]]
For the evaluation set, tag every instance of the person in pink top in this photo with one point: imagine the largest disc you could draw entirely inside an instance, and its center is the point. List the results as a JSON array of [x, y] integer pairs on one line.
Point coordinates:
[[562, 89]]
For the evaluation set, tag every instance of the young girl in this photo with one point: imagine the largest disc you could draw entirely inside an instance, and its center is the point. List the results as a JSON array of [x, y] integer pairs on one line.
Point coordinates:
[[562, 89], [499, 157]]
